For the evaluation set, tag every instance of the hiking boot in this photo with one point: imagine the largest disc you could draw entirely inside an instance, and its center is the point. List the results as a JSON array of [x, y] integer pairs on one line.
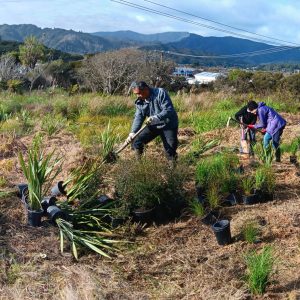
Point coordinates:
[[278, 155]]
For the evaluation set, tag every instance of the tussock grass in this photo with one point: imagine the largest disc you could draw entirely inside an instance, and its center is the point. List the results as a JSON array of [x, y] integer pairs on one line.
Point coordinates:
[[260, 266]]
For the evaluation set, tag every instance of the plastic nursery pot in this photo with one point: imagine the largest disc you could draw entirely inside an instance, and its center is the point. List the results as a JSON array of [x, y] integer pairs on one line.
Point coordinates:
[[231, 199], [34, 217], [54, 213], [142, 215], [210, 218], [24, 196], [293, 159], [103, 199], [221, 230], [265, 197], [116, 221], [48, 201], [21, 187], [251, 199], [58, 189]]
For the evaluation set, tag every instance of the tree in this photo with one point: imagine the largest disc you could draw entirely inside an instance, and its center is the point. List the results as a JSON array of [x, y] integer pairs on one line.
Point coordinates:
[[8, 68], [112, 72], [31, 51]]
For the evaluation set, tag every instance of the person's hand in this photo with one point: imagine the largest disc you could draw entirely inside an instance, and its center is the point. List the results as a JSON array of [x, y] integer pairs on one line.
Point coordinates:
[[130, 137], [250, 126], [263, 131], [153, 120]]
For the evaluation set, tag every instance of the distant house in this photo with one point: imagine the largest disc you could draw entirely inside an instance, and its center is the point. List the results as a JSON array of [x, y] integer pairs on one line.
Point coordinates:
[[204, 78], [183, 71]]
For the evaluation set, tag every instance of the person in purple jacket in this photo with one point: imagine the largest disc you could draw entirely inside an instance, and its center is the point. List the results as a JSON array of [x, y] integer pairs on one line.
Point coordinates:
[[271, 122]]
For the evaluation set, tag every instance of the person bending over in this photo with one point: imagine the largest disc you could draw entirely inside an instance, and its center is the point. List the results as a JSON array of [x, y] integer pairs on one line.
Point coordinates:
[[155, 106]]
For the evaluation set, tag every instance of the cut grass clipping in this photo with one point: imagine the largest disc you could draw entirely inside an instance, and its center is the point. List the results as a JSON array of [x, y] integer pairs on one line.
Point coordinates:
[[259, 269]]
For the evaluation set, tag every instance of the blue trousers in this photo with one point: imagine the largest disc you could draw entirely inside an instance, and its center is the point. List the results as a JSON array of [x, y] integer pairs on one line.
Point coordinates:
[[168, 136], [275, 139]]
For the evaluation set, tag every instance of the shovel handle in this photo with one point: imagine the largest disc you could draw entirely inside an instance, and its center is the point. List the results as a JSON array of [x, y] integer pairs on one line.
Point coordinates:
[[241, 123], [127, 143]]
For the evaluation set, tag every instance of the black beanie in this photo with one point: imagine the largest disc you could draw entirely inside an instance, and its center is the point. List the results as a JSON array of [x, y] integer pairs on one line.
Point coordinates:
[[252, 105]]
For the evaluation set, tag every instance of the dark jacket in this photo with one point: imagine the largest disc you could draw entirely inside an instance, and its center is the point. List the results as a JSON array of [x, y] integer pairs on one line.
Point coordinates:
[[159, 104], [269, 119], [248, 118]]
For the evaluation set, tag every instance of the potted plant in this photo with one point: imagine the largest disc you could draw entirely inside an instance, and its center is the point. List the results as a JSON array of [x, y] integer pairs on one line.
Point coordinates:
[[265, 183], [40, 171], [248, 184], [294, 147]]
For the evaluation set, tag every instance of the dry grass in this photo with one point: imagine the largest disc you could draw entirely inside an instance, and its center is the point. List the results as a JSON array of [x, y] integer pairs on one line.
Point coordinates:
[[180, 260]]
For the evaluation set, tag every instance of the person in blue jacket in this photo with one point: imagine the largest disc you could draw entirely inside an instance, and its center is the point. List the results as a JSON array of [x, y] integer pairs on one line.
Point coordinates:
[[155, 106], [271, 122]]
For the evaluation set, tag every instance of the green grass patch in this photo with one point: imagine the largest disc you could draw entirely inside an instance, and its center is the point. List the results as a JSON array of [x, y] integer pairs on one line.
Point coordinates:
[[260, 266]]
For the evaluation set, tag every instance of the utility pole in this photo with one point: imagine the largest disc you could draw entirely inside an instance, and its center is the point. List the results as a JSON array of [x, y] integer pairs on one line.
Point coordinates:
[[161, 57]]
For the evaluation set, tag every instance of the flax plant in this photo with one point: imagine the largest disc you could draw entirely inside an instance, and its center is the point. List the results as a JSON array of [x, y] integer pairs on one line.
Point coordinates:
[[40, 172]]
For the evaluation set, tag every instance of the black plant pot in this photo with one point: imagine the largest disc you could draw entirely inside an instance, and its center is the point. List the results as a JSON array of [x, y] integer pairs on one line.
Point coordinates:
[[210, 218], [221, 230], [231, 199], [22, 187], [24, 197], [116, 221], [145, 216], [104, 199], [251, 199], [265, 197], [54, 213], [293, 159], [34, 217], [200, 191], [46, 202], [58, 189]]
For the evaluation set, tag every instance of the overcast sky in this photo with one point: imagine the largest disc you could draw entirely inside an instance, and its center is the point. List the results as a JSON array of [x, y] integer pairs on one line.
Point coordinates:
[[275, 18]]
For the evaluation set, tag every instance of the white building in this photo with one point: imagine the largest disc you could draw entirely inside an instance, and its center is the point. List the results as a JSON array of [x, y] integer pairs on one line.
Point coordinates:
[[205, 78]]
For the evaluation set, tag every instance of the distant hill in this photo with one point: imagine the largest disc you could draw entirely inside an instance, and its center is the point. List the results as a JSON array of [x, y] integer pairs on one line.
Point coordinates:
[[60, 39], [198, 45], [139, 38], [181, 42]]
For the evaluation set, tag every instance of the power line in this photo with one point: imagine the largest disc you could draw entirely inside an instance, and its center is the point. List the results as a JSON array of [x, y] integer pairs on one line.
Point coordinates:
[[144, 8], [222, 24], [246, 54]]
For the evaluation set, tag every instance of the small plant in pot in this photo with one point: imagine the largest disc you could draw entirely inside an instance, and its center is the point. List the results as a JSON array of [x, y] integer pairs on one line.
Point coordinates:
[[265, 183], [294, 147], [40, 171], [141, 184], [248, 184], [211, 211]]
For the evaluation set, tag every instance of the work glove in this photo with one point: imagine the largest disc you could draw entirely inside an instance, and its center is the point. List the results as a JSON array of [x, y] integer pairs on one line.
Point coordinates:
[[263, 131], [153, 120], [130, 137], [250, 126]]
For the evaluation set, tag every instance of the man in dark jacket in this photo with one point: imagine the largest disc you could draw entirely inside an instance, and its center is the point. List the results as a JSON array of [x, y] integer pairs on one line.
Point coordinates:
[[271, 121], [247, 118], [155, 106]]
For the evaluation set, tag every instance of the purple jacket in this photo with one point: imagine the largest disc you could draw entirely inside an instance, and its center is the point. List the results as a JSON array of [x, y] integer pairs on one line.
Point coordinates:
[[269, 119]]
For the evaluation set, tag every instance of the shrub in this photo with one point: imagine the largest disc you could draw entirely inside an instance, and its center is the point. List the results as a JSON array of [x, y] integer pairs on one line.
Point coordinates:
[[259, 269], [147, 182]]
